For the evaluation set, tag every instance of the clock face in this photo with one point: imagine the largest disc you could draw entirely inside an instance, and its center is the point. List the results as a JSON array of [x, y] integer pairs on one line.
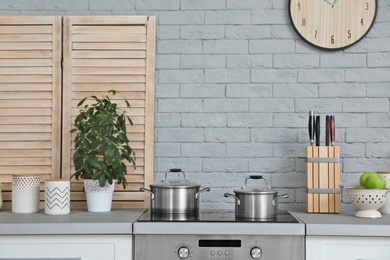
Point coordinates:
[[332, 24]]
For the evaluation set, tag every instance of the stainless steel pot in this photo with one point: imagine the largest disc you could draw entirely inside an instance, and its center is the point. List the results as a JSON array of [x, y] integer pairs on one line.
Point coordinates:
[[175, 196], [255, 203]]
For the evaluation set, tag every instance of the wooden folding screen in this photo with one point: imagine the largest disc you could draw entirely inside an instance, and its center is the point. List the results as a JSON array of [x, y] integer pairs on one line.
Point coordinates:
[[103, 53], [30, 99]]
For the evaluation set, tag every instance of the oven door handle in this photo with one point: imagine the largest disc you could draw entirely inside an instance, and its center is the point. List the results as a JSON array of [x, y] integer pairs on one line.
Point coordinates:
[[232, 196]]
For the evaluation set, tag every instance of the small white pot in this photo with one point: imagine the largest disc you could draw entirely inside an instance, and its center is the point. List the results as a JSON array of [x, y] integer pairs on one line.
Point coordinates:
[[25, 194], [99, 199], [57, 197], [385, 209]]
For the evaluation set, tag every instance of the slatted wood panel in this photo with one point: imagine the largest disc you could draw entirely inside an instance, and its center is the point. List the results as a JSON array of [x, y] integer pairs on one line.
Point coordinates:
[[30, 99], [103, 53]]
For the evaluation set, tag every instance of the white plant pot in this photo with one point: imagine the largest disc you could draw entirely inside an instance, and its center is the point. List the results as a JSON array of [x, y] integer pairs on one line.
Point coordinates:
[[99, 199]]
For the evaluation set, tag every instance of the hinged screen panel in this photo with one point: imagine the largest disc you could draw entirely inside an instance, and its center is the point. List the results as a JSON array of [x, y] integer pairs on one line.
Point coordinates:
[[30, 89], [103, 53]]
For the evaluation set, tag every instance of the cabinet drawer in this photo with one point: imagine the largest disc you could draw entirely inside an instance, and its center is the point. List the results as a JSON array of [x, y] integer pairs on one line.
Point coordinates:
[[347, 248], [68, 247]]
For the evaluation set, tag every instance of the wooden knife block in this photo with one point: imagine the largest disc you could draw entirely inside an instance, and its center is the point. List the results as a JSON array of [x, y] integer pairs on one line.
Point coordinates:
[[323, 179]]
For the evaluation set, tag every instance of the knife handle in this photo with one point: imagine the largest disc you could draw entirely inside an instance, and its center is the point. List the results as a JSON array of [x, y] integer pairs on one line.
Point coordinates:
[[327, 131], [311, 127], [318, 130], [332, 125]]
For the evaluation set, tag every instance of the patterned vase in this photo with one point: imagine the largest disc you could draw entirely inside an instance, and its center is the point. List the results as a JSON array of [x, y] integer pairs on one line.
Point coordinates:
[[25, 194], [57, 197]]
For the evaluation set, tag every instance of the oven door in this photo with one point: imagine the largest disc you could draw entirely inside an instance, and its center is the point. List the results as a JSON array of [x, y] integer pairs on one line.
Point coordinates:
[[219, 247]]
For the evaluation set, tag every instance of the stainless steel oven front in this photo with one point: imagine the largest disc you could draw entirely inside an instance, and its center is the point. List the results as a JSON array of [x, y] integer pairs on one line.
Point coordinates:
[[219, 247], [218, 235]]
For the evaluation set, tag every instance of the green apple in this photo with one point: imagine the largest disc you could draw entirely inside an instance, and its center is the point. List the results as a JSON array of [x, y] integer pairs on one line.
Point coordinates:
[[375, 182], [364, 176], [359, 187]]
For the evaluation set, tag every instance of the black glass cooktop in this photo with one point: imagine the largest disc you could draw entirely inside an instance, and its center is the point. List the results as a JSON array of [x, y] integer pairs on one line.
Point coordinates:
[[212, 216]]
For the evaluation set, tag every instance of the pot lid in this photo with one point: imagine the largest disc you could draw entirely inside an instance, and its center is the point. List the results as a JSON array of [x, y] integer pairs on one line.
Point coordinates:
[[245, 190], [266, 190], [175, 183]]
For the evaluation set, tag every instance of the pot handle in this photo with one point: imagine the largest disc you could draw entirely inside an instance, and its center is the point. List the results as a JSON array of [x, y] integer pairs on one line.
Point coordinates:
[[174, 170], [284, 196], [201, 190], [146, 190], [232, 196], [256, 177]]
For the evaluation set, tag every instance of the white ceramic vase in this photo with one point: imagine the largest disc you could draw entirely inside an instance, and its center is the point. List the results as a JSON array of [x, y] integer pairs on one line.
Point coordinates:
[[57, 197], [1, 197], [25, 194], [99, 199], [385, 209]]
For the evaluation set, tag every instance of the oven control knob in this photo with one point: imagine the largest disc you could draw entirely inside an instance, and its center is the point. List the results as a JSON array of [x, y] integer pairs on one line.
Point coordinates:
[[183, 252], [256, 253]]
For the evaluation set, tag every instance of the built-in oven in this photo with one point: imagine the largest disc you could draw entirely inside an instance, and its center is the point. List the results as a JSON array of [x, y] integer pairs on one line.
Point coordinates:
[[218, 235]]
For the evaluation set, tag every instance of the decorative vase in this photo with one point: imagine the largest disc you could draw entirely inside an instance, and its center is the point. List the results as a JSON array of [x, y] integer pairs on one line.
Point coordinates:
[[385, 209], [57, 197], [25, 194], [1, 197], [99, 199]]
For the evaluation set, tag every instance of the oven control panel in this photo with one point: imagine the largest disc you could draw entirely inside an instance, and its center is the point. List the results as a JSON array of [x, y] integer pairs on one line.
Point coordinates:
[[214, 247]]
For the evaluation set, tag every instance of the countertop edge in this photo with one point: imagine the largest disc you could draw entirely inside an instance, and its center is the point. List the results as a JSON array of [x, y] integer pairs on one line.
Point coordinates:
[[343, 224]]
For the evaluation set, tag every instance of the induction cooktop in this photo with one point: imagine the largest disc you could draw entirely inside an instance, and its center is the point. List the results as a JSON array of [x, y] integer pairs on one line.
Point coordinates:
[[212, 216]]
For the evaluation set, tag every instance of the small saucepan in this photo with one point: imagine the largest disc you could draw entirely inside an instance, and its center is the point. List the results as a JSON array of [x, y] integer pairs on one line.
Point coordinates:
[[256, 203]]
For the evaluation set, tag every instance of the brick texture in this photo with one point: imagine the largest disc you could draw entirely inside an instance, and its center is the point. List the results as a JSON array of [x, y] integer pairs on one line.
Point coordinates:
[[234, 84]]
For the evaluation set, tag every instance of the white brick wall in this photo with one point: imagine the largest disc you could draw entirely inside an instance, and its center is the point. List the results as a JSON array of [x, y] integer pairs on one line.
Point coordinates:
[[234, 85]]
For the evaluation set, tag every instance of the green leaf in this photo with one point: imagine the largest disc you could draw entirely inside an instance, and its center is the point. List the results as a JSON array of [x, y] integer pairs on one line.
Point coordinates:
[[109, 178], [102, 180], [122, 169], [81, 102], [129, 119], [97, 165], [127, 103], [97, 175]]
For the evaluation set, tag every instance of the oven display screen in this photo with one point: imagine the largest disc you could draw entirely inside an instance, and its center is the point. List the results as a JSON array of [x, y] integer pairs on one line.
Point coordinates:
[[219, 243]]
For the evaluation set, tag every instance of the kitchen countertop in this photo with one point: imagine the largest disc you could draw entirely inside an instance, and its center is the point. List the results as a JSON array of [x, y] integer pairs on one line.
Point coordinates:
[[120, 221], [78, 222], [343, 224]]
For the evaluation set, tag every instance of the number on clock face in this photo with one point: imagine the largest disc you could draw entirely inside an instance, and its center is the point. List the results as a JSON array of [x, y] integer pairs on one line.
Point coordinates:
[[332, 24]]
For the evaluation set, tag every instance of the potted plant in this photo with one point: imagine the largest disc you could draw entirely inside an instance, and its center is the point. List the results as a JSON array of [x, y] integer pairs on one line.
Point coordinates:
[[101, 149]]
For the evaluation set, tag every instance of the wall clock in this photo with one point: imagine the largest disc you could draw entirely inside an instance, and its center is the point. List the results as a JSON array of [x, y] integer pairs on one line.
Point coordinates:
[[332, 24]]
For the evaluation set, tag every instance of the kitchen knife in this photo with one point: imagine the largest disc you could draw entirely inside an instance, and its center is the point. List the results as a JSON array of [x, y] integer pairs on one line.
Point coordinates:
[[311, 127], [332, 125], [318, 130], [327, 130]]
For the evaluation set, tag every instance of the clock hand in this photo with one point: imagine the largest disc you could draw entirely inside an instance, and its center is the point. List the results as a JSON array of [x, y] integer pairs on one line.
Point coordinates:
[[328, 2]]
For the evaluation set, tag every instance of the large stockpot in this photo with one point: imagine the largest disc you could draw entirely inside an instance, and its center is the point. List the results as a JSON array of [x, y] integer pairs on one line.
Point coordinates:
[[175, 196], [255, 203]]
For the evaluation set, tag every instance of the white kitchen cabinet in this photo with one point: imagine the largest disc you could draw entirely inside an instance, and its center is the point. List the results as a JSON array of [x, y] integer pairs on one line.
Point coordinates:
[[347, 248], [66, 247]]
